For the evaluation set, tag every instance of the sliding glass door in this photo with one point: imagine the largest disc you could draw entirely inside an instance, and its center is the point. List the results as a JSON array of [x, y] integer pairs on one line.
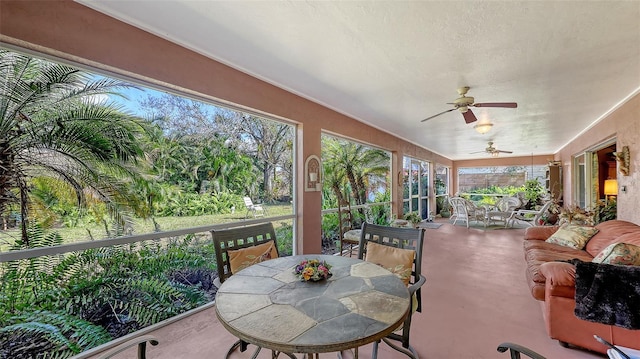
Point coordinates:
[[416, 186]]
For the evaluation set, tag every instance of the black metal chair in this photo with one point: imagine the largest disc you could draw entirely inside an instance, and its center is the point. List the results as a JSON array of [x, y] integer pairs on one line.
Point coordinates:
[[238, 238], [515, 350], [404, 238]]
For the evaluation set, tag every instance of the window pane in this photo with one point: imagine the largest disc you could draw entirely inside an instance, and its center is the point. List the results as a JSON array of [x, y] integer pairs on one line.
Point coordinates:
[[415, 173]]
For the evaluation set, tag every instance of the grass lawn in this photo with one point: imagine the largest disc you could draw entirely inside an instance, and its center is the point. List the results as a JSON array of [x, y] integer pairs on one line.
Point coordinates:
[[141, 226]]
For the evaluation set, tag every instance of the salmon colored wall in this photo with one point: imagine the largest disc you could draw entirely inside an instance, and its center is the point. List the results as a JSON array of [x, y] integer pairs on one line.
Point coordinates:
[[623, 124]]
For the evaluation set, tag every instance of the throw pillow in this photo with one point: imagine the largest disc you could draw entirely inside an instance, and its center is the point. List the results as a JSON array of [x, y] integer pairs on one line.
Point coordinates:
[[240, 259], [573, 236], [398, 261], [619, 253]]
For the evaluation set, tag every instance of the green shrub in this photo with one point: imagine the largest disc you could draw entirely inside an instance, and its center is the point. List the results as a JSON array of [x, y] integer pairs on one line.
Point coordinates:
[[194, 204], [70, 303]]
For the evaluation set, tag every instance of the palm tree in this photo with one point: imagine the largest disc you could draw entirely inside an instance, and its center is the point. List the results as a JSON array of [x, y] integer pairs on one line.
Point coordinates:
[[353, 164], [54, 122]]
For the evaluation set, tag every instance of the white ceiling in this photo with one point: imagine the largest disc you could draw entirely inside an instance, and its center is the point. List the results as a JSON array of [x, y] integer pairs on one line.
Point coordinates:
[[393, 63]]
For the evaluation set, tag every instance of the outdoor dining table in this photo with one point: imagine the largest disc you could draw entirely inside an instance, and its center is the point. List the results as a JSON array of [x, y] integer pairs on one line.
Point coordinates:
[[267, 305]]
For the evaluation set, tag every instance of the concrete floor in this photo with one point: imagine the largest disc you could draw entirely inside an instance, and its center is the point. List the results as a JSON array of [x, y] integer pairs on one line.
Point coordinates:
[[474, 299]]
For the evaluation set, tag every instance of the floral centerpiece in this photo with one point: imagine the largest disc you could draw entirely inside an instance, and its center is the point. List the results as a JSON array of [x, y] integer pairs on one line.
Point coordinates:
[[312, 270]]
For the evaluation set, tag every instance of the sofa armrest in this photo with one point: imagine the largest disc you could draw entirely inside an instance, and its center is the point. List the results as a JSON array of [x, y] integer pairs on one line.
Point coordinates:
[[560, 279], [540, 233]]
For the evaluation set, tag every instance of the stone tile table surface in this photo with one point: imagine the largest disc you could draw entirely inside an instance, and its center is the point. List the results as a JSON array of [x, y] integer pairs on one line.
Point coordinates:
[[267, 305]]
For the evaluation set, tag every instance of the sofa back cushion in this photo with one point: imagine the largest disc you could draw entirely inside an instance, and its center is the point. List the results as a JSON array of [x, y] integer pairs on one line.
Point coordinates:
[[610, 232], [572, 236]]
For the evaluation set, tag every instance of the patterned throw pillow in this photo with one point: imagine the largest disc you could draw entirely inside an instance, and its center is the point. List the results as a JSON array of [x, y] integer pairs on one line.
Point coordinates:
[[619, 253], [240, 259], [398, 261], [573, 236]]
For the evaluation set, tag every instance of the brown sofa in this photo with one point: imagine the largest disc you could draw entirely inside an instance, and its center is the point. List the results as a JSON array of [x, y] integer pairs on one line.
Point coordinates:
[[553, 282]]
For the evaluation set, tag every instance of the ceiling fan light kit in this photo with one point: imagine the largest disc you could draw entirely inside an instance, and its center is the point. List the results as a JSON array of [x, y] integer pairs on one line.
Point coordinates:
[[483, 128]]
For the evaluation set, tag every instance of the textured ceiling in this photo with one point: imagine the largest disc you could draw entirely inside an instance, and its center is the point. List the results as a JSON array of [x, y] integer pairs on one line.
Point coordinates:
[[393, 63]]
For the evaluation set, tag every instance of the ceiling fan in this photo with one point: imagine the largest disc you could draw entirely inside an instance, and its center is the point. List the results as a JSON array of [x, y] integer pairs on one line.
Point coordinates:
[[492, 150], [463, 103]]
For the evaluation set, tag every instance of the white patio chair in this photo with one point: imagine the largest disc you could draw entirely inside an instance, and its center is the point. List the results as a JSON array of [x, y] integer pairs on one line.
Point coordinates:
[[466, 211], [528, 216], [503, 209], [256, 209]]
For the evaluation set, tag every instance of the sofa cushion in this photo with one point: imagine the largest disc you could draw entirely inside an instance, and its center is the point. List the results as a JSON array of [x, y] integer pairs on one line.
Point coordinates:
[[611, 232], [573, 236], [619, 253]]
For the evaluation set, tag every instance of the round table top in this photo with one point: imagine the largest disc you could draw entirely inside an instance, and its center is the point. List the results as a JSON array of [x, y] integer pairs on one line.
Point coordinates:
[[267, 305]]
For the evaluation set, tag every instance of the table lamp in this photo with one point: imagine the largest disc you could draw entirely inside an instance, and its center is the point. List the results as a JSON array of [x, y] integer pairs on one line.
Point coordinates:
[[610, 187]]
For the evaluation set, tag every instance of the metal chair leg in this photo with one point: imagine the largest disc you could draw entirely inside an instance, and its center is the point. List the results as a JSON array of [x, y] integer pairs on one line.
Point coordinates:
[[243, 346], [410, 352]]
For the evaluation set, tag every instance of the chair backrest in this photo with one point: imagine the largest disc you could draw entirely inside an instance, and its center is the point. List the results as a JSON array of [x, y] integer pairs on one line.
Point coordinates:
[[405, 238], [508, 204], [345, 217], [542, 212], [248, 202], [459, 206], [238, 238]]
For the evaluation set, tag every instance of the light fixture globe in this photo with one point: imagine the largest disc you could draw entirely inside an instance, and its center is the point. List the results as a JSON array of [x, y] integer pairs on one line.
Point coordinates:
[[483, 128]]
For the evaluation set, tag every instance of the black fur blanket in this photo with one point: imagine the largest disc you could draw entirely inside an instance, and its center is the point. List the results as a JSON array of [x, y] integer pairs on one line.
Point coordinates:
[[608, 294]]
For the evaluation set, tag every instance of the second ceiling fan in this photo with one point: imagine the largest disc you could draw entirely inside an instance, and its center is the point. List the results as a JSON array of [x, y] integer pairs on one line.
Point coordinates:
[[463, 103], [492, 150]]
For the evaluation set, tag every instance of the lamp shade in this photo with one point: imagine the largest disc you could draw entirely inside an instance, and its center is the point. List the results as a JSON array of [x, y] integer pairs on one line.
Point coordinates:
[[611, 187], [483, 128]]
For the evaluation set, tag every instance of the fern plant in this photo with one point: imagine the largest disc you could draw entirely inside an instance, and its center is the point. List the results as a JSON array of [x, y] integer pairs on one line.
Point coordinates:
[[72, 302]]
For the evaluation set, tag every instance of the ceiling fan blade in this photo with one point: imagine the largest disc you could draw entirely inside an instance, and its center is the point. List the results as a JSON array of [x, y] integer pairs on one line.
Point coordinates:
[[496, 104], [441, 113], [469, 116], [503, 151]]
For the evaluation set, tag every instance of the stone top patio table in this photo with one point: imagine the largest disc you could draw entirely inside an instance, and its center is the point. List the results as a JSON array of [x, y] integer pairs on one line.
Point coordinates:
[[267, 305]]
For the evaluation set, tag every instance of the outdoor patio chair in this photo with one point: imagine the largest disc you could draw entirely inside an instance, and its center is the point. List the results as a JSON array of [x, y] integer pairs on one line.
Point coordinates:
[[256, 209], [530, 217], [349, 236], [140, 341], [466, 211], [240, 247], [401, 240], [503, 209]]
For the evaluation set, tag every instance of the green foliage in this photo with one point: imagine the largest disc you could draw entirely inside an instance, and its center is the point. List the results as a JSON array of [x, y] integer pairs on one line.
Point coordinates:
[[193, 204], [605, 210], [54, 332], [284, 234], [73, 302], [381, 214], [351, 168], [51, 127], [413, 217], [533, 191]]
